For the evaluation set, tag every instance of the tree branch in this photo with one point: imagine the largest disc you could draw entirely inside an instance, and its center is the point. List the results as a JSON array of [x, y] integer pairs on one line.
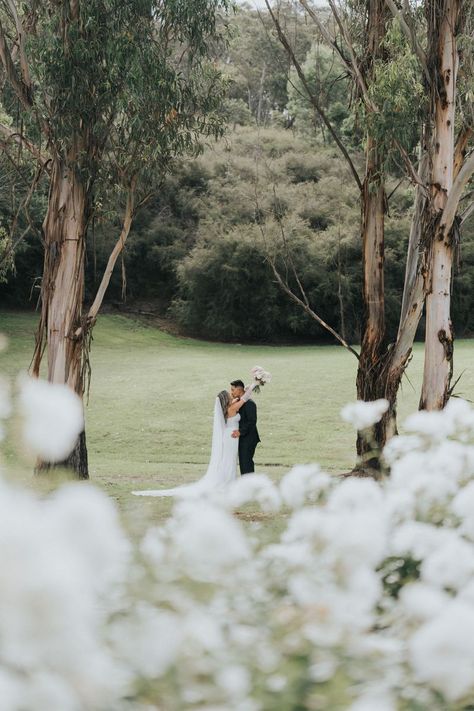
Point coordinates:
[[11, 134], [413, 174], [25, 72], [22, 90], [283, 39], [99, 297], [284, 286], [325, 32], [467, 212], [354, 65], [302, 301], [452, 203], [22, 207], [460, 148], [410, 35]]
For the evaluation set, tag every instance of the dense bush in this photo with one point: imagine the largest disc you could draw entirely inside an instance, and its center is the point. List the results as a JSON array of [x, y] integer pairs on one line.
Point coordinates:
[[200, 246]]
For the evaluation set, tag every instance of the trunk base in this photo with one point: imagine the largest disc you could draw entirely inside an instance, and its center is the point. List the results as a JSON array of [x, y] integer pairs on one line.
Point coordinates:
[[76, 463], [364, 472]]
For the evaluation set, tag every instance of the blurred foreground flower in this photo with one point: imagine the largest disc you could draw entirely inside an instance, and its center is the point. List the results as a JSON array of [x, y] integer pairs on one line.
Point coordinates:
[[52, 418], [362, 414], [359, 595]]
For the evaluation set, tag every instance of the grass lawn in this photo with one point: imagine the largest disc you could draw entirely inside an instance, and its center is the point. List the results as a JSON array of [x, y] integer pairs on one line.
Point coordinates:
[[149, 418]]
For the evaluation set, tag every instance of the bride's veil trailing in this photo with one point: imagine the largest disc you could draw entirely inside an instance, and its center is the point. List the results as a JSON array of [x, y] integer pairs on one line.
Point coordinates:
[[213, 470], [212, 475]]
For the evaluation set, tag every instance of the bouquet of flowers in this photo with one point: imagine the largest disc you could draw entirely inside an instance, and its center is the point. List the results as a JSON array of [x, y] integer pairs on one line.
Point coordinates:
[[260, 376]]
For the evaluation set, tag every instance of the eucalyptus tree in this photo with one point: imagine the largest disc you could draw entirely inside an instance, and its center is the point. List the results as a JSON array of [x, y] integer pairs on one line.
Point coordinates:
[[435, 31], [401, 89], [107, 93], [357, 34], [450, 169]]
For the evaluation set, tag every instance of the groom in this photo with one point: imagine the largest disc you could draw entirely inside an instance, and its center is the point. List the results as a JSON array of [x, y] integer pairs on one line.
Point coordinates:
[[247, 432]]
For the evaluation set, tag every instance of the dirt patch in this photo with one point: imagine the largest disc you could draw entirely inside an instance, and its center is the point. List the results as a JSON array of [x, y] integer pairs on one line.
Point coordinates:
[[252, 516]]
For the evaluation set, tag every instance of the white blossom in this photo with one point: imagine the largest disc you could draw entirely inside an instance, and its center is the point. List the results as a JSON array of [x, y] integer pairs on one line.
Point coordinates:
[[52, 418], [422, 601], [451, 565], [303, 483], [365, 586], [463, 506], [253, 487], [442, 651], [52, 581], [374, 701], [206, 539], [362, 415]]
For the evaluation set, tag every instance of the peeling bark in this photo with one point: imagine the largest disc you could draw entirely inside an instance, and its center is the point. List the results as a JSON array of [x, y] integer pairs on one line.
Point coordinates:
[[373, 347], [443, 54], [62, 291]]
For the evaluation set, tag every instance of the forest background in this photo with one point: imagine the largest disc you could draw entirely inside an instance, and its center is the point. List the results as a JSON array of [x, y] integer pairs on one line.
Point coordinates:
[[196, 256]]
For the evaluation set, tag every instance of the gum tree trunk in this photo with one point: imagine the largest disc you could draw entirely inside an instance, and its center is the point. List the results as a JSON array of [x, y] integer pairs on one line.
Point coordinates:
[[438, 367], [369, 384], [372, 354], [62, 292]]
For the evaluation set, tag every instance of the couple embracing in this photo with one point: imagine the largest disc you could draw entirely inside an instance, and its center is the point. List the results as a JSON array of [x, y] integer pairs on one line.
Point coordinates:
[[245, 422], [234, 433]]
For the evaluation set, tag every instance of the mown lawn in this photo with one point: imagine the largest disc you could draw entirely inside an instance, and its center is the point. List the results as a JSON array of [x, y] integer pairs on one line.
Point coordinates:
[[151, 402]]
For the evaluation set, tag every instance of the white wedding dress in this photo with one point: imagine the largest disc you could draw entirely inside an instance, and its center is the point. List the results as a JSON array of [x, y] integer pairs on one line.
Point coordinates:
[[222, 469]]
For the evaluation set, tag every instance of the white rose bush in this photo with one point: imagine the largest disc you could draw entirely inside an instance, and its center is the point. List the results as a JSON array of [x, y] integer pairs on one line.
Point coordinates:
[[361, 598]]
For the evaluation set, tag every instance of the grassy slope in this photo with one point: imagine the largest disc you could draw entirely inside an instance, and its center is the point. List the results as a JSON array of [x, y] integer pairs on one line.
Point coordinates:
[[150, 413]]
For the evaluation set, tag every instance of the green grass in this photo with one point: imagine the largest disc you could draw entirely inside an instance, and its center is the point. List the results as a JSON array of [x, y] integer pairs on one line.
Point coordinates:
[[149, 418]]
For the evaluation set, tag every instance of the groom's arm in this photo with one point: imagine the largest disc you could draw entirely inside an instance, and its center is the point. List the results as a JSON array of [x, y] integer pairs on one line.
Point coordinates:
[[249, 418]]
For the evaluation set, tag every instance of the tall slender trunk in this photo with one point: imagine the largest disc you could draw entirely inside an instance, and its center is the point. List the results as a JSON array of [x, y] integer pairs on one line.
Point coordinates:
[[340, 297], [372, 354], [62, 291], [371, 362], [260, 95], [442, 23]]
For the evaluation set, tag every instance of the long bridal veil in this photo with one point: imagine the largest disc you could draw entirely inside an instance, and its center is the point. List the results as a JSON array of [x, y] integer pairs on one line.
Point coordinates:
[[213, 473]]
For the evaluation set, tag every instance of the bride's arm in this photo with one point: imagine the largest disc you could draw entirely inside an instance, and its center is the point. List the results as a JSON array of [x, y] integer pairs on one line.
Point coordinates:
[[235, 406], [248, 392]]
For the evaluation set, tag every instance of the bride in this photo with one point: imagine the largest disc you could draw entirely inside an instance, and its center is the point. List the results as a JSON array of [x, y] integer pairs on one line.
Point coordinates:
[[222, 469]]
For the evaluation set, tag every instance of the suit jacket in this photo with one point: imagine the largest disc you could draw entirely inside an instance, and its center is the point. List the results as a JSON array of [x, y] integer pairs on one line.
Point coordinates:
[[248, 422]]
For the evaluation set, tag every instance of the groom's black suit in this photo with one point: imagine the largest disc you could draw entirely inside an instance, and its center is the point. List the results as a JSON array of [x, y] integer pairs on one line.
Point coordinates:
[[249, 438]]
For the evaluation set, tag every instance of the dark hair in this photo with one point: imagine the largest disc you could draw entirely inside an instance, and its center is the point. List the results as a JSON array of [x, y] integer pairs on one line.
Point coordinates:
[[238, 384]]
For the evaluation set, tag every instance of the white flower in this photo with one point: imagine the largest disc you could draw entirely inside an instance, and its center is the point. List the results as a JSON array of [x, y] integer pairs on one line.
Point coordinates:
[[463, 507], [423, 475], [53, 418], [234, 680], [355, 495], [5, 399], [5, 402], [422, 601], [457, 417], [399, 446], [451, 565], [302, 483], [157, 637], [374, 701], [442, 651], [418, 539], [61, 568], [358, 537], [254, 487], [207, 539], [276, 683], [362, 414]]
